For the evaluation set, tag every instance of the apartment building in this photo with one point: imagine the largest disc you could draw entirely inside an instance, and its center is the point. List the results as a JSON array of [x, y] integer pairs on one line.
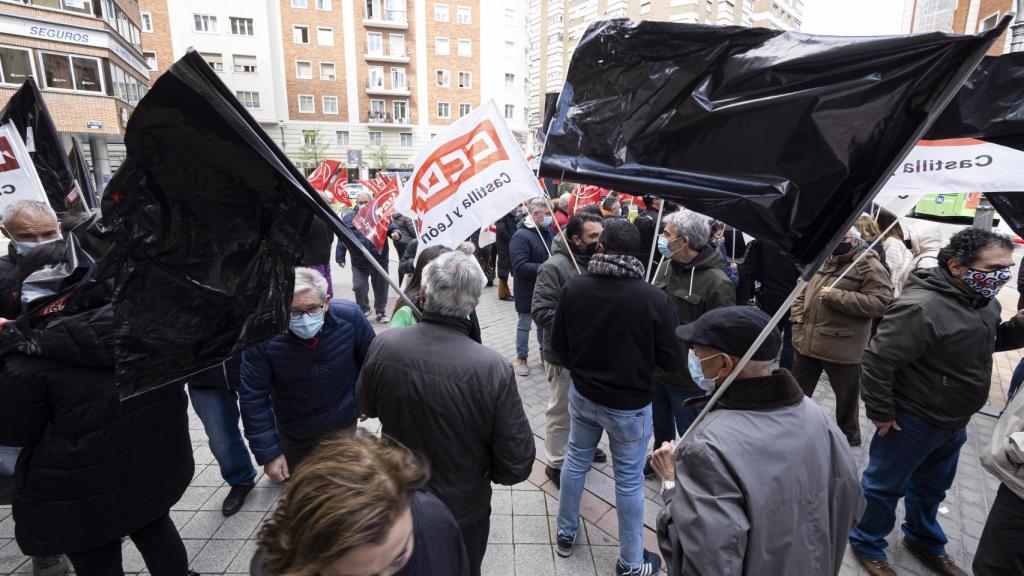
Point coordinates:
[[86, 57], [367, 82], [961, 17], [556, 26]]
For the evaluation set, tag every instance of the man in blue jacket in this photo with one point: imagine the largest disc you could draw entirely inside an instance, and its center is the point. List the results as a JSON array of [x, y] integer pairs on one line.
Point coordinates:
[[529, 248], [300, 386]]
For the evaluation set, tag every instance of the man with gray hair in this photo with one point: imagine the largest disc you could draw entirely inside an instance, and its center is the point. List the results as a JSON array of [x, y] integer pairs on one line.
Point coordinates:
[[692, 276], [451, 399], [363, 273], [530, 247], [299, 387], [28, 224]]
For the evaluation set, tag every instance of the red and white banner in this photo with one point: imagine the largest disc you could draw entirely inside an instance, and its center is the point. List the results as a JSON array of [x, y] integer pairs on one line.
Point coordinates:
[[321, 177], [18, 177], [585, 195], [374, 219], [468, 176], [956, 166], [380, 184], [337, 189]]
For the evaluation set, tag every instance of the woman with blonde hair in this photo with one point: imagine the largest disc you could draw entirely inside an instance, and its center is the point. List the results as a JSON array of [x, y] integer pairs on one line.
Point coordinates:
[[356, 508], [869, 231]]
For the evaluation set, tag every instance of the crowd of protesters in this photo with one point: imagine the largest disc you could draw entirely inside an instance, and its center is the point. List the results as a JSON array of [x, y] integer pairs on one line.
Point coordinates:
[[899, 319]]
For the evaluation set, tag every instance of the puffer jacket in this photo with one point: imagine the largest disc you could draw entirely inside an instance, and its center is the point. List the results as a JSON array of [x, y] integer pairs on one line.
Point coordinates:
[[551, 278], [837, 328], [693, 288], [1004, 456], [527, 251], [924, 248], [455, 401], [94, 468], [304, 387], [932, 354]]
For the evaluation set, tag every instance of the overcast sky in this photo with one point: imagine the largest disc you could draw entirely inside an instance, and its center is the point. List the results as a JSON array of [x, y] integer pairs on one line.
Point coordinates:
[[852, 17]]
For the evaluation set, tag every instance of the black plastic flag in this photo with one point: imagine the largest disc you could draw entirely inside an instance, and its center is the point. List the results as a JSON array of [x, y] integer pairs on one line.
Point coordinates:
[[784, 136], [80, 170]]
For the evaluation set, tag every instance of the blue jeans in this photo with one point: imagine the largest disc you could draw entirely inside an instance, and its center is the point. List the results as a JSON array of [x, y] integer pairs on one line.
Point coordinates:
[[788, 350], [670, 415], [917, 463], [218, 410], [629, 431], [523, 336], [1015, 380]]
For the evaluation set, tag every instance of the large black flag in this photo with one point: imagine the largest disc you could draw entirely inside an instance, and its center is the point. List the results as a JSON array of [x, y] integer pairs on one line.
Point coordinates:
[[785, 136], [27, 111], [208, 219], [80, 170]]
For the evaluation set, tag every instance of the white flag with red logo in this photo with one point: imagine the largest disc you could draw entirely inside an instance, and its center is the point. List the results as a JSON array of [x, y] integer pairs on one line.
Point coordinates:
[[323, 174], [18, 177], [468, 176], [585, 195], [374, 219]]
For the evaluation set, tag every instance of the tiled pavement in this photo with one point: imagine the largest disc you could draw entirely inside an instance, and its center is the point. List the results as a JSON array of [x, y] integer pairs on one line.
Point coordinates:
[[522, 521]]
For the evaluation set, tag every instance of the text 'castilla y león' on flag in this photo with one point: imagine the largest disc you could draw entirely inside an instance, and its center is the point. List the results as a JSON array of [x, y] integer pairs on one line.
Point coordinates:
[[467, 177]]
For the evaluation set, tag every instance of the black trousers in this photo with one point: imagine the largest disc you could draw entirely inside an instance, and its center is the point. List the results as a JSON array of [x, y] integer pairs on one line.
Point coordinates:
[[474, 537], [158, 542], [845, 381], [999, 550]]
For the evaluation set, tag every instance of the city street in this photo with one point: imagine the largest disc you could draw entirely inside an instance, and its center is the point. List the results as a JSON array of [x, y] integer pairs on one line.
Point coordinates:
[[523, 516]]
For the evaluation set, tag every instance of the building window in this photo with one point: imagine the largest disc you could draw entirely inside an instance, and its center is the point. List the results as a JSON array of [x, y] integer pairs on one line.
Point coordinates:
[[465, 47], [65, 72], [401, 111], [300, 34], [464, 110], [323, 4], [15, 65], [510, 111], [557, 18], [463, 14], [216, 61], [396, 45], [376, 77], [330, 104], [406, 139], [441, 47], [204, 23], [309, 137], [241, 26], [249, 99], [510, 81], [444, 110], [303, 69], [444, 78], [341, 138], [510, 16], [299, 4], [374, 43], [150, 60], [325, 36], [327, 71], [398, 79], [306, 104], [147, 21], [376, 139], [989, 23], [465, 79], [377, 111], [440, 12], [244, 64]]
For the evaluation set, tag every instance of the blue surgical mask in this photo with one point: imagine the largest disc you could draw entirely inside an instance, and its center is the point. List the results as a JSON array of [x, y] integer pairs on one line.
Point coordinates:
[[663, 247], [23, 248], [693, 363], [307, 325], [547, 221]]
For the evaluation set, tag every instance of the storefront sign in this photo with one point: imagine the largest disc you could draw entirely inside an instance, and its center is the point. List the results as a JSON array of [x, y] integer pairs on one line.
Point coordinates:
[[42, 30]]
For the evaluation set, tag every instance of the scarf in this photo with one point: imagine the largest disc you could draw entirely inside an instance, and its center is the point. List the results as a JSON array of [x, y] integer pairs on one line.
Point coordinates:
[[616, 266]]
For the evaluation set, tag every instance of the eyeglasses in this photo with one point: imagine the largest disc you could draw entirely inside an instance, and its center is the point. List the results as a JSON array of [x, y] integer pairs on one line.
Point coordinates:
[[308, 311]]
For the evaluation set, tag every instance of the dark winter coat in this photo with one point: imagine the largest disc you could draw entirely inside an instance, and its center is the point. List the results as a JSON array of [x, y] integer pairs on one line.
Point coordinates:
[[317, 245], [224, 376], [10, 290], [766, 264], [932, 354], [304, 387], [504, 228], [455, 401], [94, 468], [527, 252], [551, 279], [359, 261]]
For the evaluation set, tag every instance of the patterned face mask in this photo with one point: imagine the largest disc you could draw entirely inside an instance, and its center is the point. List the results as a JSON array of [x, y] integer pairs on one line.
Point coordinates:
[[986, 284]]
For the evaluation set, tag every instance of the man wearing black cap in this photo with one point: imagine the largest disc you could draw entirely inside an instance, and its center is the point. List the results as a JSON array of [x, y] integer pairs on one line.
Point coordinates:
[[765, 484]]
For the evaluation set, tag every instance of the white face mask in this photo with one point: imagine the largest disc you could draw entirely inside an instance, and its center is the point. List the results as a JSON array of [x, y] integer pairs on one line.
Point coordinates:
[[693, 363], [23, 248]]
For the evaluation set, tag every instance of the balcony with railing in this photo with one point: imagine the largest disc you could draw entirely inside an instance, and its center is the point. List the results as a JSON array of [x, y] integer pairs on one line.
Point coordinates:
[[382, 56], [376, 87], [384, 120], [388, 15]]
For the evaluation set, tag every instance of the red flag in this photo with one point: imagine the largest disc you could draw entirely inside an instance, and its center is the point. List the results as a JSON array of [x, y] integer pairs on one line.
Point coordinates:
[[585, 195], [635, 200], [337, 188], [374, 218], [322, 175]]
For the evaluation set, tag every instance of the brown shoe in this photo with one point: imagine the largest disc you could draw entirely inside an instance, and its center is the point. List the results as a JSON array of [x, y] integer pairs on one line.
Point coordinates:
[[503, 292], [942, 564], [521, 368], [875, 567]]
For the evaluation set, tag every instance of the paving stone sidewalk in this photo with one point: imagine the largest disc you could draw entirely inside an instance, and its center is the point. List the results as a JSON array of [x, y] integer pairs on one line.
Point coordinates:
[[522, 523]]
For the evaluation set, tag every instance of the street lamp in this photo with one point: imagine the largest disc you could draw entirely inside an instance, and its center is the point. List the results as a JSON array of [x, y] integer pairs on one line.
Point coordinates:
[[284, 143]]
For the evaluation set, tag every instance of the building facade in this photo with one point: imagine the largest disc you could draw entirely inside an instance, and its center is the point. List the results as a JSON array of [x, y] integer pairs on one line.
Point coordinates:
[[86, 57], [960, 17], [350, 79], [556, 26]]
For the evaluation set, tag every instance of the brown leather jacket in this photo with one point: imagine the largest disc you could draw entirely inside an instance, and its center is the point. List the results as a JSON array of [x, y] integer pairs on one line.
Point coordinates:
[[837, 328]]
